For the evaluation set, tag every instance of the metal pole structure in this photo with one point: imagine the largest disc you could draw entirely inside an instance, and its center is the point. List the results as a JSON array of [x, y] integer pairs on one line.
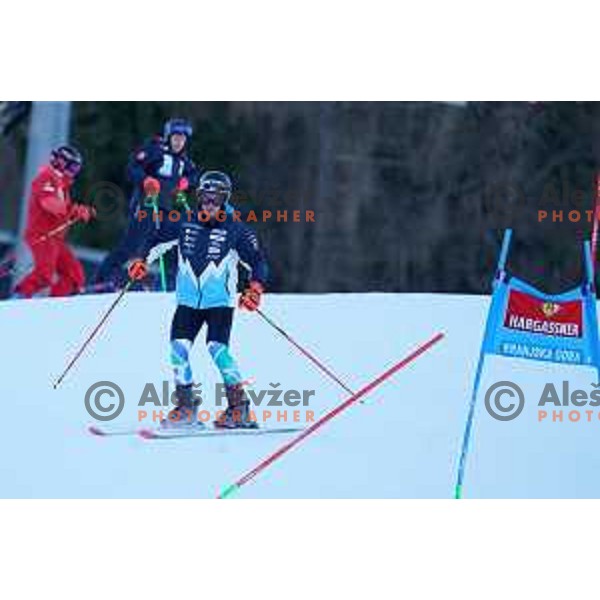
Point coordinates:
[[594, 244], [48, 127]]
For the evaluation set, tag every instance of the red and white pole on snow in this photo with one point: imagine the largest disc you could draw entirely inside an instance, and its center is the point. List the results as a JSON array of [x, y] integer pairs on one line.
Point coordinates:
[[250, 475]]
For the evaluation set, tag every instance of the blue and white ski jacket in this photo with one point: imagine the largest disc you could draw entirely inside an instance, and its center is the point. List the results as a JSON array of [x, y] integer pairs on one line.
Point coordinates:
[[208, 259]]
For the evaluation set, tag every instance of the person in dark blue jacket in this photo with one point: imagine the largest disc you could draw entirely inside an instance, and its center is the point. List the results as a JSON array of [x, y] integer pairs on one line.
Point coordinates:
[[211, 244], [161, 168]]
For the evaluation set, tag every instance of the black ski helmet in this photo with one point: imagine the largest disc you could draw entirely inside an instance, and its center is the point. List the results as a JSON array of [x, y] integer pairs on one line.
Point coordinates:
[[67, 159], [214, 182]]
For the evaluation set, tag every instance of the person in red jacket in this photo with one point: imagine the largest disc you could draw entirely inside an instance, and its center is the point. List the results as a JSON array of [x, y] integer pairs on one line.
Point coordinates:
[[51, 211]]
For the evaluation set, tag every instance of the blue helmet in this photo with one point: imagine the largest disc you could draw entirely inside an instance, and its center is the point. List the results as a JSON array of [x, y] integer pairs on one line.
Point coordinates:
[[173, 126]]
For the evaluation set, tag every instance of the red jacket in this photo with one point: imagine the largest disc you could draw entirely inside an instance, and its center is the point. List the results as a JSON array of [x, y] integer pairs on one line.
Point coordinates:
[[49, 203]]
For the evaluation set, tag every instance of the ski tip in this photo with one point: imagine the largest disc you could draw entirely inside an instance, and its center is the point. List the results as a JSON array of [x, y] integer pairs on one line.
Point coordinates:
[[458, 492], [147, 434], [95, 430], [228, 491]]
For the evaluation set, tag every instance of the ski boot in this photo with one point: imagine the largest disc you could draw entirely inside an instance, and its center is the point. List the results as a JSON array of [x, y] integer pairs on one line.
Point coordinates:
[[237, 415], [185, 413]]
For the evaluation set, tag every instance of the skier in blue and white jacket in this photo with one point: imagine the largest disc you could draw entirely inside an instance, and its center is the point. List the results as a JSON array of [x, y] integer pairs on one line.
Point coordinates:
[[210, 247]]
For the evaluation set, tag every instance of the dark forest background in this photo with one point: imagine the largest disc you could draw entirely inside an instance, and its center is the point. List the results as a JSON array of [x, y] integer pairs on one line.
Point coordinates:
[[408, 196]]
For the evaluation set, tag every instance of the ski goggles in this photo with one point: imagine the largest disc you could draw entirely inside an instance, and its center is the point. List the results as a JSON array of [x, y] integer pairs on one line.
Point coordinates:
[[212, 198], [72, 168]]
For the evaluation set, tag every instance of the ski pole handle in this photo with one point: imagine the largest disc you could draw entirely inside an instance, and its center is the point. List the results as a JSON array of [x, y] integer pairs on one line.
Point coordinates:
[[181, 200], [151, 201]]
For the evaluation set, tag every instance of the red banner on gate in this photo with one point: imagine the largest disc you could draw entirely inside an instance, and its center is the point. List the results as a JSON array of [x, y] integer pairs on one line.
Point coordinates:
[[530, 314]]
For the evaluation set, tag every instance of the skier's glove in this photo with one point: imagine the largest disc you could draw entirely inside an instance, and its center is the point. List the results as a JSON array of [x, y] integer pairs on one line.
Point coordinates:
[[83, 213], [182, 185], [181, 201], [137, 270], [251, 296], [151, 187]]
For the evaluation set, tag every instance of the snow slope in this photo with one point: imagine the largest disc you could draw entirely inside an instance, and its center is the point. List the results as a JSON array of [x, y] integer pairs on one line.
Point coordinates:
[[402, 443]]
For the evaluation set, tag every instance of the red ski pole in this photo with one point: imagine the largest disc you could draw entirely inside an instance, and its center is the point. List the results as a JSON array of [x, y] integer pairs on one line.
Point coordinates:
[[94, 332], [54, 231], [234, 487]]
